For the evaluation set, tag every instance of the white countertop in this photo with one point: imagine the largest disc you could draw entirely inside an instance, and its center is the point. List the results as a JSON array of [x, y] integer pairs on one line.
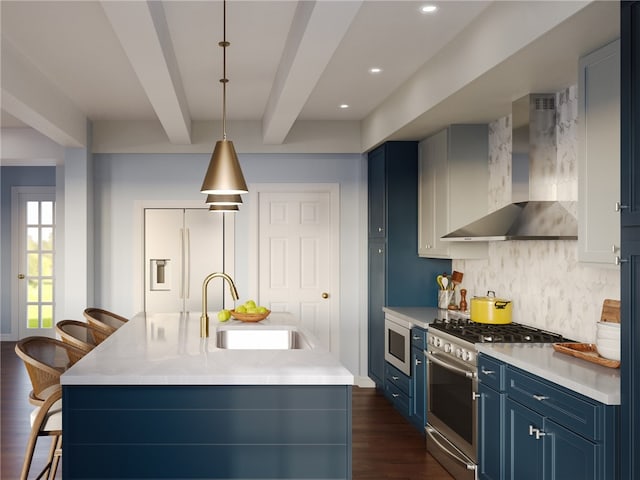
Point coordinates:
[[591, 380], [420, 316], [166, 349]]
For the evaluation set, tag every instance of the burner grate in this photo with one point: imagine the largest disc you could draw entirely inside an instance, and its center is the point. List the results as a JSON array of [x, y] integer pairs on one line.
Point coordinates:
[[486, 333]]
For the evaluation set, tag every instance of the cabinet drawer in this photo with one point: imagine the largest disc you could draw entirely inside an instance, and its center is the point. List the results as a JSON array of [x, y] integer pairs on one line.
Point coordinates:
[[419, 338], [400, 400], [394, 376], [574, 412], [491, 372]]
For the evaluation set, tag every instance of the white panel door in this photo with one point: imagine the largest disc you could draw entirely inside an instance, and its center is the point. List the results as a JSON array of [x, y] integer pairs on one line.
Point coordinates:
[[295, 258]]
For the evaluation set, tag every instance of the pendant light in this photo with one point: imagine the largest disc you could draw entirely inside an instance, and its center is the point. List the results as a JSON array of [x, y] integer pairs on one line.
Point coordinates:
[[224, 208], [223, 199], [224, 175]]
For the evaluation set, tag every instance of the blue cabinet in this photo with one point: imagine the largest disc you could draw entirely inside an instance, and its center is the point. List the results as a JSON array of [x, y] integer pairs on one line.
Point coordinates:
[[419, 378], [530, 428], [491, 421], [397, 276], [399, 390], [207, 431], [630, 236]]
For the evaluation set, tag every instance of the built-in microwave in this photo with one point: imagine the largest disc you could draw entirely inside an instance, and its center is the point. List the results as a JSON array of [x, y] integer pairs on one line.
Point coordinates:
[[397, 343]]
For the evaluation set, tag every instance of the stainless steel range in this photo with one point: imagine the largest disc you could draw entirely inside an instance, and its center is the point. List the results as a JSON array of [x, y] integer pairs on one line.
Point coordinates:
[[452, 391]]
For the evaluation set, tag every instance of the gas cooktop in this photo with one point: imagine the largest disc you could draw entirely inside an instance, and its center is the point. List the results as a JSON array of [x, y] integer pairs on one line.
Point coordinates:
[[486, 333]]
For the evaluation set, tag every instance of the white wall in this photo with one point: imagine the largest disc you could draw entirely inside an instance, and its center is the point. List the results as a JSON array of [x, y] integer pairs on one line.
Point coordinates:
[[124, 181]]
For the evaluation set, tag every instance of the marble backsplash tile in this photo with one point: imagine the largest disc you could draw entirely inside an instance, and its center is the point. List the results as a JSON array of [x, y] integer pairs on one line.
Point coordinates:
[[549, 287]]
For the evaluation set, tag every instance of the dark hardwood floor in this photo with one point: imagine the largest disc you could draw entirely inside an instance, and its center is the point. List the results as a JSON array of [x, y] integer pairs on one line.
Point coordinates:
[[385, 446]]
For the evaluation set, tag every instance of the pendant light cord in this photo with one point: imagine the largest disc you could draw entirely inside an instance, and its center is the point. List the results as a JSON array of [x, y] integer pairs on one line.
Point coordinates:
[[224, 44]]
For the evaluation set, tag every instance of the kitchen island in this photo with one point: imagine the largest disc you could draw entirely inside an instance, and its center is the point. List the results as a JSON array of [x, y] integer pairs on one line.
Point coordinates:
[[157, 401]]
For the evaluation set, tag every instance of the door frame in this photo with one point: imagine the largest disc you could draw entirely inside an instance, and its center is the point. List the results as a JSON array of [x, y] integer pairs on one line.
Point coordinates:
[[16, 234], [333, 189]]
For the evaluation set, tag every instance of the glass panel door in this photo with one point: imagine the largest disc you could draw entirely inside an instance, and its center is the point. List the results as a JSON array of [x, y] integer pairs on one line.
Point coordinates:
[[36, 214]]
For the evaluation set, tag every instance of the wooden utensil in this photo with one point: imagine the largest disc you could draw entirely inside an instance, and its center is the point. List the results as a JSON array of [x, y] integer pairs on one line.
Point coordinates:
[[610, 311]]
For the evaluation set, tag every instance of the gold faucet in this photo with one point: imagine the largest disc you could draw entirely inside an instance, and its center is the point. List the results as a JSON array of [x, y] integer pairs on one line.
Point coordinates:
[[204, 318]]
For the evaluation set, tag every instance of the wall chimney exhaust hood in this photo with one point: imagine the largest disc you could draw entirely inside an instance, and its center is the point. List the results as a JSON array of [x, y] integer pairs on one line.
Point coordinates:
[[534, 148]]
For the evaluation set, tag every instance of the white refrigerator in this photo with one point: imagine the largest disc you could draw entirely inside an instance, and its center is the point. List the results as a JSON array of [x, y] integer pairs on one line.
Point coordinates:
[[181, 247]]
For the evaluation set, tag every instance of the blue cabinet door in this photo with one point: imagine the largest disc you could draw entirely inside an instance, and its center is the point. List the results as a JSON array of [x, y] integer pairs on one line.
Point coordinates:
[[419, 378], [630, 237], [568, 455], [377, 261], [491, 433], [524, 452]]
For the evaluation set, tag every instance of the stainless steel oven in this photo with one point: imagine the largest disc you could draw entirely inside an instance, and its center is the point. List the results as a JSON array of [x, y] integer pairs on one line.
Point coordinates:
[[397, 343], [452, 393]]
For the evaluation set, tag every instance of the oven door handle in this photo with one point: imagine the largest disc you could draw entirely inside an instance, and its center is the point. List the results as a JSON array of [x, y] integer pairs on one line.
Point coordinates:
[[448, 366], [470, 465]]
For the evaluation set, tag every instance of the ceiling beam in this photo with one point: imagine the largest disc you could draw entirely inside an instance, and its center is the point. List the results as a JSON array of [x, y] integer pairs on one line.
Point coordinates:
[[143, 32], [316, 32], [30, 97]]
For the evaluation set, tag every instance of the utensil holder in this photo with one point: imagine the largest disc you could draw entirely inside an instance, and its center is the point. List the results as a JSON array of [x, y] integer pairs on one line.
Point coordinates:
[[444, 298]]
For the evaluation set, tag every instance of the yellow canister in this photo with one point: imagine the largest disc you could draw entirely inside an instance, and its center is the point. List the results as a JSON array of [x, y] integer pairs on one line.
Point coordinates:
[[492, 310]]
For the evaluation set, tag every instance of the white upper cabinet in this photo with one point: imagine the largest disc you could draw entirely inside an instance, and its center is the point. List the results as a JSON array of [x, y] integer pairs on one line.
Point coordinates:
[[599, 155], [452, 190]]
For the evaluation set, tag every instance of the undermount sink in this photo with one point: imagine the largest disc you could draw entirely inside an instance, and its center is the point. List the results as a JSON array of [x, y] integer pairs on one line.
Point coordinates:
[[261, 339]]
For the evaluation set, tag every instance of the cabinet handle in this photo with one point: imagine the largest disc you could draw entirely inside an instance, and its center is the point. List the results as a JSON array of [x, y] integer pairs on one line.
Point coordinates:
[[540, 398], [619, 260], [487, 372], [380, 229], [418, 362], [428, 245], [620, 206], [395, 395], [416, 337], [536, 431], [393, 377], [475, 396], [380, 250], [614, 248]]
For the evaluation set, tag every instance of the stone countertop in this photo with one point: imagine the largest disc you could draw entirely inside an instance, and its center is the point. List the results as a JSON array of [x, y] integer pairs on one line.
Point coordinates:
[[420, 316], [166, 349], [591, 380]]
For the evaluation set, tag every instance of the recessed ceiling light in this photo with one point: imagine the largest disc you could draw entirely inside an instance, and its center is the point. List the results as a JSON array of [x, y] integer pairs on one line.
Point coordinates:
[[344, 105], [428, 9], [375, 70]]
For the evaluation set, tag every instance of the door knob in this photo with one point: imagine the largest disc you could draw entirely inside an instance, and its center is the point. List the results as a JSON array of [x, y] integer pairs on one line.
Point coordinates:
[[325, 295], [21, 276]]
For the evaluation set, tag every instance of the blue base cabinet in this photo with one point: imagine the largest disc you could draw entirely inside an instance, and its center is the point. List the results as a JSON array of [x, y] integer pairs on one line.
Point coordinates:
[[419, 378], [213, 432], [530, 428]]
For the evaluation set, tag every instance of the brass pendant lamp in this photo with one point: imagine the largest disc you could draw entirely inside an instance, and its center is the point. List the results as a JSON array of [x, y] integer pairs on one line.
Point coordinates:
[[224, 208], [223, 199], [224, 175]]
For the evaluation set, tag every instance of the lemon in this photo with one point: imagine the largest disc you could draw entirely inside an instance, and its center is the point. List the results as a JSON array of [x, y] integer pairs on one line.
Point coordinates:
[[224, 315]]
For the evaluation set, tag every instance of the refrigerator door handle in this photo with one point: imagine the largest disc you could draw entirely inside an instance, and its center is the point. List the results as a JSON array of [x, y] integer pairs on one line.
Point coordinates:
[[187, 264], [181, 294]]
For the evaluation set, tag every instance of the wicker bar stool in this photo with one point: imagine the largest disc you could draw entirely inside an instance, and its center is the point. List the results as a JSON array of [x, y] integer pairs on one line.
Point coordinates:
[[79, 334], [108, 322], [45, 360]]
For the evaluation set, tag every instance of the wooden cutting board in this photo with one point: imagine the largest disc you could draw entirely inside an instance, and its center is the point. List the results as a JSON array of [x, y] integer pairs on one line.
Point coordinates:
[[610, 311]]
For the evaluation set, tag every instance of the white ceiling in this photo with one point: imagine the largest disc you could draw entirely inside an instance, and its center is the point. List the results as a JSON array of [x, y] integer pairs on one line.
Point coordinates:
[[288, 61]]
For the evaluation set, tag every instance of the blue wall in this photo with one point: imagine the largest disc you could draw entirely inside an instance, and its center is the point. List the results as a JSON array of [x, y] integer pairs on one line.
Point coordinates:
[[14, 177]]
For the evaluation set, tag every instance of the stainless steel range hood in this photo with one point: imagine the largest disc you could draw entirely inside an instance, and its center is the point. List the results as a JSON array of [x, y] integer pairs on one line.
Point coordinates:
[[534, 148]]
